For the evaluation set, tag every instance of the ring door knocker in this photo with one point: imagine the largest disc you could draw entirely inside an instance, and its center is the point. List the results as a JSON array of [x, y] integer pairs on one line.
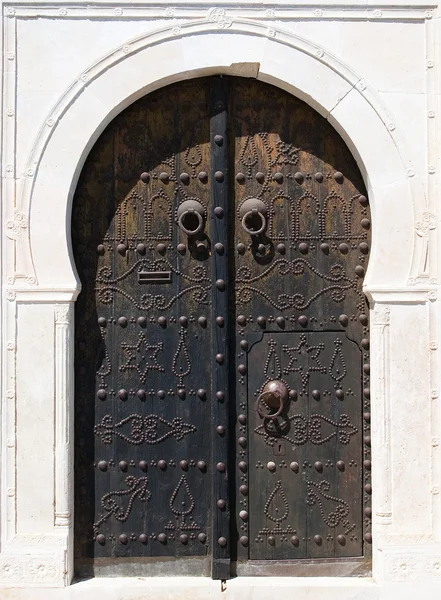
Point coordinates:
[[274, 395], [191, 217], [253, 214]]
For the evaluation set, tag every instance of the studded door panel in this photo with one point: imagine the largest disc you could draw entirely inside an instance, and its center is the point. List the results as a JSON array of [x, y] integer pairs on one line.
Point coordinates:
[[301, 319]]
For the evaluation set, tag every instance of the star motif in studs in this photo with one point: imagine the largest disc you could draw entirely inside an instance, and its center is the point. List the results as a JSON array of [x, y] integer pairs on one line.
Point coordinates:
[[142, 357], [311, 353]]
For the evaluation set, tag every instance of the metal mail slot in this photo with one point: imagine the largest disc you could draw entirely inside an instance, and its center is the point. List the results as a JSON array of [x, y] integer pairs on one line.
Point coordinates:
[[154, 276]]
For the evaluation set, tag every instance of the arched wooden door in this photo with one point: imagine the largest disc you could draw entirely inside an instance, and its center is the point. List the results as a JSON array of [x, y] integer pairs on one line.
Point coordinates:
[[221, 234]]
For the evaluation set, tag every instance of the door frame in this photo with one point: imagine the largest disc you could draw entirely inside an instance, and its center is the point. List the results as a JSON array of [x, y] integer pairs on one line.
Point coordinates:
[[44, 283]]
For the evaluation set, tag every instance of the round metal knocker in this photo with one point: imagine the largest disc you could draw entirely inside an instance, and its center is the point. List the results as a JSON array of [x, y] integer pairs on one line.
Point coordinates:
[[191, 215], [253, 214], [275, 395]]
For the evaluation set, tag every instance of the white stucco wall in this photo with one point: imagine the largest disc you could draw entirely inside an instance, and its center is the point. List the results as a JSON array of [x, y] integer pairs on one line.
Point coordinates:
[[374, 72]]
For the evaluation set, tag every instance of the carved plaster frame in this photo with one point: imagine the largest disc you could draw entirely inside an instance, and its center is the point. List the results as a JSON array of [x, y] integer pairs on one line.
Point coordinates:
[[92, 101]]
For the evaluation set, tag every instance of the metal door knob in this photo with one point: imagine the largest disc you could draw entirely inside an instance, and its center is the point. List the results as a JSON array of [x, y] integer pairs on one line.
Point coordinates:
[[191, 217], [253, 214], [275, 395]]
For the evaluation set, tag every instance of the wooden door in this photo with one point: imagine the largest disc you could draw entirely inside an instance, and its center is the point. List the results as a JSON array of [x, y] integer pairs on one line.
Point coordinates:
[[221, 234]]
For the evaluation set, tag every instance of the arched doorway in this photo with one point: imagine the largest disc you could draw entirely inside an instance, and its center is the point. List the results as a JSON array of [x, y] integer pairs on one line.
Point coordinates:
[[221, 234]]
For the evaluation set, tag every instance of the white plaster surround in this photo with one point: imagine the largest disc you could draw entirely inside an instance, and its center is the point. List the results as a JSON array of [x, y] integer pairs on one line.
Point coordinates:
[[373, 70]]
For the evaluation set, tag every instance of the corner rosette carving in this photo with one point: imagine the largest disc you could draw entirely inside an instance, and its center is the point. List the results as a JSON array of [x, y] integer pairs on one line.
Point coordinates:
[[425, 224], [220, 17], [16, 225]]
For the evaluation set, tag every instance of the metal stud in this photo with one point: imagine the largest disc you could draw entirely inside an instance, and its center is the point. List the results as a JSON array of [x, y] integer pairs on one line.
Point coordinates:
[[241, 248], [363, 247], [315, 394], [183, 321], [100, 249], [218, 140], [363, 200], [365, 343], [142, 321], [242, 369], [220, 430], [203, 176], [260, 177], [202, 394], [359, 271], [318, 466], [162, 321], [244, 344], [318, 177], [102, 465], [181, 248], [181, 394], [161, 394], [101, 539], [261, 321], [271, 466], [363, 319], [243, 515], [123, 322], [144, 177], [220, 395], [143, 465], [280, 321], [221, 503], [303, 248], [220, 284], [161, 248], [220, 467], [318, 540], [243, 490], [183, 538], [162, 538], [219, 248], [368, 537], [343, 320], [368, 488], [367, 440], [324, 248], [367, 417], [123, 394], [281, 248], [344, 248], [340, 465], [141, 249], [122, 249], [367, 465], [123, 465], [278, 177], [299, 177], [123, 538], [340, 394], [294, 466], [202, 465], [240, 178], [102, 321], [222, 542], [220, 358], [365, 223], [366, 369], [341, 540], [261, 248], [202, 538], [202, 321], [164, 177], [295, 541], [243, 540], [243, 466], [185, 178], [220, 321], [303, 320], [219, 176], [338, 177], [293, 395], [368, 512], [162, 465], [143, 538], [271, 540], [241, 320], [242, 441], [141, 394]]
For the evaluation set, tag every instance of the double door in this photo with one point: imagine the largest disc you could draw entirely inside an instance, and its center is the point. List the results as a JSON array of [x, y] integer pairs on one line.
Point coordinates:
[[221, 234]]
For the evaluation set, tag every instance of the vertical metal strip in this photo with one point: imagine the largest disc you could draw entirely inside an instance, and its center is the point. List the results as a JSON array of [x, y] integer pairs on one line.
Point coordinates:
[[220, 364]]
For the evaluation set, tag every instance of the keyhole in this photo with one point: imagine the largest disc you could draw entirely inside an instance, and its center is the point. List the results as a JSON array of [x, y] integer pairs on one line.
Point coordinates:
[[280, 447]]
